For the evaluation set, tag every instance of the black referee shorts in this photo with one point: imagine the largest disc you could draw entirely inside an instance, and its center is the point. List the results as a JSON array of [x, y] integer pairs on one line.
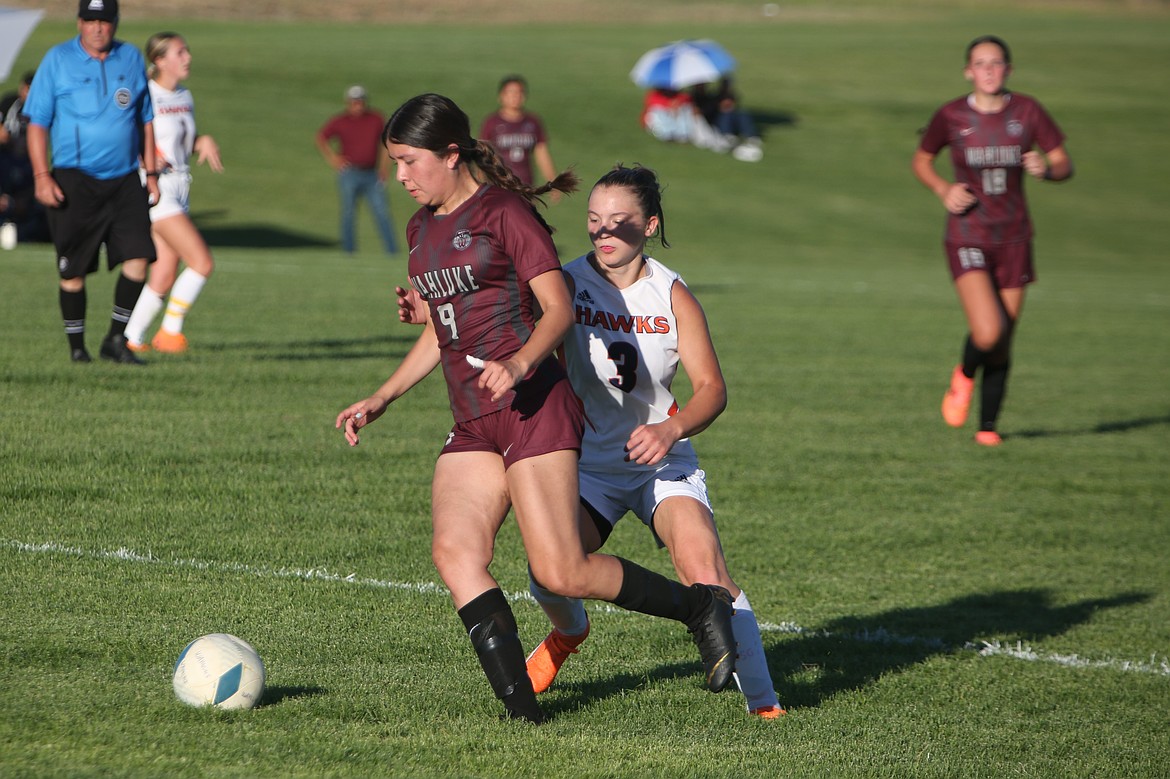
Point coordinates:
[[114, 212]]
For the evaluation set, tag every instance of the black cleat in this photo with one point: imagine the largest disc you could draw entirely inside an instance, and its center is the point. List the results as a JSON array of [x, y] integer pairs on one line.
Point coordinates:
[[80, 355], [114, 348], [711, 630]]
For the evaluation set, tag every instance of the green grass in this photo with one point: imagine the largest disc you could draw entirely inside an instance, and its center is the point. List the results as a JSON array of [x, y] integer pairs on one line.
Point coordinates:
[[881, 549]]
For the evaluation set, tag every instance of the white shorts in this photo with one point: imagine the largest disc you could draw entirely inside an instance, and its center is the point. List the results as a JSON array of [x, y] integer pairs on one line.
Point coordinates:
[[613, 494], [174, 192]]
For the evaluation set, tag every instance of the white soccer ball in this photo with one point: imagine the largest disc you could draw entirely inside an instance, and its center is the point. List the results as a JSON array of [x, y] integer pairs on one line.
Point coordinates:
[[219, 670]]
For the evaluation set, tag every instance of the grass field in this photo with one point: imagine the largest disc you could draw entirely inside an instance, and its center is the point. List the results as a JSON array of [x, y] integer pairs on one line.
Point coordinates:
[[930, 608]]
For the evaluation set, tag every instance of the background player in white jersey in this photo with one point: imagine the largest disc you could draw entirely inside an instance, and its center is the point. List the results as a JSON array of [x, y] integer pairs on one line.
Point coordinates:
[[175, 235], [635, 321]]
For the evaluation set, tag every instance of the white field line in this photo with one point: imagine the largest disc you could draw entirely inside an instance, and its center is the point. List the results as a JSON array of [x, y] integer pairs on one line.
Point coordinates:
[[1157, 665]]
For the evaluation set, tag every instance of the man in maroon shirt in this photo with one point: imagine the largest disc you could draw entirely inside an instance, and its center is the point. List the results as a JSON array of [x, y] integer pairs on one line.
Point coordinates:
[[361, 164]]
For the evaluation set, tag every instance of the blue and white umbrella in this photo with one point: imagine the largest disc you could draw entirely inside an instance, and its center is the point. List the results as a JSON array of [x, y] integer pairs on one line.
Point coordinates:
[[682, 64]]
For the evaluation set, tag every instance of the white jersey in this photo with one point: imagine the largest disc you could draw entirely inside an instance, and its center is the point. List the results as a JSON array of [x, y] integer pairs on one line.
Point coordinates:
[[622, 357], [174, 126]]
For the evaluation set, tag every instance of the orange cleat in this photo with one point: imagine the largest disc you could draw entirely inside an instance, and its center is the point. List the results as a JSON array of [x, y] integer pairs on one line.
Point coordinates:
[[169, 343], [768, 712], [958, 398], [550, 655], [137, 348], [988, 438]]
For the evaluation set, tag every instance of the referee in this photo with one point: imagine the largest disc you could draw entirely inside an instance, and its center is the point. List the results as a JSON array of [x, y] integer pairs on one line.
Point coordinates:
[[90, 101]]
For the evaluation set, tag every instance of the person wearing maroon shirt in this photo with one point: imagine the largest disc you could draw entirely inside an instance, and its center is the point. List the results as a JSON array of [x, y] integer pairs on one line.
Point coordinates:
[[483, 260], [518, 135], [361, 164], [996, 136]]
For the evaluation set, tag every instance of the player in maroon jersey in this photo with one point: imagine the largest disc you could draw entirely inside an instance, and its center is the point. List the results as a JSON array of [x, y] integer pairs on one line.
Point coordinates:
[[518, 135], [995, 137], [483, 260]]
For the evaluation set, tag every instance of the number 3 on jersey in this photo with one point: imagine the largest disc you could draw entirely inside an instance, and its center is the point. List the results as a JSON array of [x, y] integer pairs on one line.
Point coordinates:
[[624, 356]]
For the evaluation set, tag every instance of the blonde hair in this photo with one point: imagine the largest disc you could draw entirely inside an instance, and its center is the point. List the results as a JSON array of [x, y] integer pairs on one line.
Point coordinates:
[[156, 47]]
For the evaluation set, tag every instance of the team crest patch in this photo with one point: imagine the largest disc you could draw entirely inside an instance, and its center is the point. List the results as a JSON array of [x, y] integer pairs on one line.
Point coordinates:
[[1015, 128], [122, 98], [62, 264], [461, 240]]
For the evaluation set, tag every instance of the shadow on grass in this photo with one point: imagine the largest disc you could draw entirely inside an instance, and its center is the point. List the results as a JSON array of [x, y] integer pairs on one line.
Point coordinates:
[[853, 652], [258, 236], [276, 695], [1121, 426], [375, 346]]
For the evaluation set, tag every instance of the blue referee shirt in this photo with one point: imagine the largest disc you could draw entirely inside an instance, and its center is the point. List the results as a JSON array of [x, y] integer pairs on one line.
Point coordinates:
[[94, 109]]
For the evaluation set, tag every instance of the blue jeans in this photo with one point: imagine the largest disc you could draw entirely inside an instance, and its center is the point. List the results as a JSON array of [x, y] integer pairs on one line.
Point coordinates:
[[353, 183]]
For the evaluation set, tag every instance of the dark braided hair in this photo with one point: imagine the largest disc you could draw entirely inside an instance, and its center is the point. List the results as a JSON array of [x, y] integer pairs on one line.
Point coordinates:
[[643, 183], [436, 123]]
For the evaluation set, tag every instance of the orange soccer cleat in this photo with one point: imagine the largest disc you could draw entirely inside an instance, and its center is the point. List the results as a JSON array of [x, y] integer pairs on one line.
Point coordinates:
[[550, 655], [958, 398], [169, 343], [988, 438]]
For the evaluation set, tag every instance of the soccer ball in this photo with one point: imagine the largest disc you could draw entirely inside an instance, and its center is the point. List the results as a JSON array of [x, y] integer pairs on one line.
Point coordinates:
[[219, 670]]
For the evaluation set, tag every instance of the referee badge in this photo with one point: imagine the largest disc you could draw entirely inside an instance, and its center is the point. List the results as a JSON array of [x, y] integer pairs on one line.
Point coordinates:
[[461, 240], [122, 98]]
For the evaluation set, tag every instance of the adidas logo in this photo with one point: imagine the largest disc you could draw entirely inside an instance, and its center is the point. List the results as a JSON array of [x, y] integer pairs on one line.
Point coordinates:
[[584, 296]]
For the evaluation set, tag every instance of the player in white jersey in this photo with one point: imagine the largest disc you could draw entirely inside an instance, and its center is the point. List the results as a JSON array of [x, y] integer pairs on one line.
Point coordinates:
[[175, 235], [635, 322]]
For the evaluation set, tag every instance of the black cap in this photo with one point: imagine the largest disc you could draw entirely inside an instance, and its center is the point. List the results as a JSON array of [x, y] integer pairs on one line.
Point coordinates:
[[100, 10]]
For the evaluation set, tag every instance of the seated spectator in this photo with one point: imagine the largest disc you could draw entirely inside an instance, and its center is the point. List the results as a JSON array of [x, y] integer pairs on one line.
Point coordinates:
[[18, 202], [720, 108], [670, 115]]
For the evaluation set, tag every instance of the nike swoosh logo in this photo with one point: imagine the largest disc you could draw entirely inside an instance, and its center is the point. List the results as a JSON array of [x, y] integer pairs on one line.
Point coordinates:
[[507, 450]]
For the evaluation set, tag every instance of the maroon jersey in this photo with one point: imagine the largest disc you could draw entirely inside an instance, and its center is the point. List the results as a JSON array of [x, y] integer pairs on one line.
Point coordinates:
[[987, 153], [359, 138], [473, 266], [514, 141]]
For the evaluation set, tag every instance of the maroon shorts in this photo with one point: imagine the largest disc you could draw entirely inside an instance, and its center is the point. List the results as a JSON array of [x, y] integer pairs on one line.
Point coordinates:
[[1009, 265], [549, 424]]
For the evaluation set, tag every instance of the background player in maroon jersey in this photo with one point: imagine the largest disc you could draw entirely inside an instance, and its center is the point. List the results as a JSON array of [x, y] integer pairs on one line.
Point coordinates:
[[518, 135], [994, 135], [482, 258]]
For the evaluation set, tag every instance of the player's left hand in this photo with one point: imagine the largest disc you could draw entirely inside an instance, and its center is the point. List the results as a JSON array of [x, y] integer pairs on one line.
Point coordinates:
[[1035, 164], [648, 444], [208, 151], [498, 377]]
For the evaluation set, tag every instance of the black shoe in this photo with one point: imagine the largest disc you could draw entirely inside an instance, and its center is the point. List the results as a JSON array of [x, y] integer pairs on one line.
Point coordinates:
[[711, 630], [80, 355], [114, 348]]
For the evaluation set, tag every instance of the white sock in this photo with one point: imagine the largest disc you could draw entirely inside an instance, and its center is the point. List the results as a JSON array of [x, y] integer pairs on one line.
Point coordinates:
[[566, 614], [145, 310], [183, 295], [751, 664]]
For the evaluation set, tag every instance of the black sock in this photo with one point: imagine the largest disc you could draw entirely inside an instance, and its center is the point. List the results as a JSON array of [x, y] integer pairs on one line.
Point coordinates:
[[73, 305], [652, 593], [993, 392], [972, 358], [126, 294], [492, 628]]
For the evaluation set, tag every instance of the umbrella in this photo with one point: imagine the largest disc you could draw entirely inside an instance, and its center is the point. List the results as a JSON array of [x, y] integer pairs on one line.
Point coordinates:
[[682, 64], [15, 27]]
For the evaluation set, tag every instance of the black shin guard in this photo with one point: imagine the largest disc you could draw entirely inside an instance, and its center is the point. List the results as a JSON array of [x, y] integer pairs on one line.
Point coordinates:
[[652, 593], [492, 629], [993, 392], [972, 358]]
